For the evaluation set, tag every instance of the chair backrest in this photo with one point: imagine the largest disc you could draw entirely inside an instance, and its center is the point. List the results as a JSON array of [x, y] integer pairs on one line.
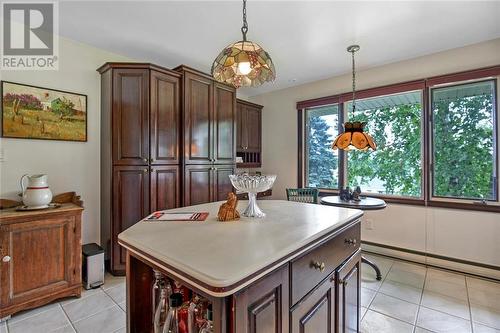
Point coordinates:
[[309, 195]]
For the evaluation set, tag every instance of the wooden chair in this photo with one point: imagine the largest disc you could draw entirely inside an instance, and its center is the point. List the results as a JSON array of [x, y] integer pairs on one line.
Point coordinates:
[[307, 195]]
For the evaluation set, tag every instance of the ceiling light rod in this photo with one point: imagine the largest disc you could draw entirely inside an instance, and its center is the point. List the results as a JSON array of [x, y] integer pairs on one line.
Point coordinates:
[[244, 28], [353, 49]]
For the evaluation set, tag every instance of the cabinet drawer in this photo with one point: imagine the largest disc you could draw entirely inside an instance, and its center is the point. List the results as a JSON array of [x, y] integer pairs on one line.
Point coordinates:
[[305, 276]]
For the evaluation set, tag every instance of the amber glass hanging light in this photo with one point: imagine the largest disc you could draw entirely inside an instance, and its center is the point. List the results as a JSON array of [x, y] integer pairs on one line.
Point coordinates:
[[244, 63], [354, 135]]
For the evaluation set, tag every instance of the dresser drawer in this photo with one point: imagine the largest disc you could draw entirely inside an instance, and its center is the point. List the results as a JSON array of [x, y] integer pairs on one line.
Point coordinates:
[[312, 267]]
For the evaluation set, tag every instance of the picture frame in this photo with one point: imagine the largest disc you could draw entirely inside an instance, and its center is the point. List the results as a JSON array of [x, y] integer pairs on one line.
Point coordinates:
[[40, 113]]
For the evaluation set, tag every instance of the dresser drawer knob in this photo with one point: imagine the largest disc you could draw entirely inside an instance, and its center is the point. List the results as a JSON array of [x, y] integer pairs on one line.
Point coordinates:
[[320, 266], [6, 259], [350, 241]]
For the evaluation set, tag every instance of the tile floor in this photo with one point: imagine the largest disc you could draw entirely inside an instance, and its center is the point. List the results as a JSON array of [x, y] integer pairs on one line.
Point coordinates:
[[99, 310], [410, 298], [415, 299]]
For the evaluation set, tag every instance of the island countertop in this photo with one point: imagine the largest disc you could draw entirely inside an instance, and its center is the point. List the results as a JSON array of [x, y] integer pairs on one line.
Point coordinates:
[[221, 258]]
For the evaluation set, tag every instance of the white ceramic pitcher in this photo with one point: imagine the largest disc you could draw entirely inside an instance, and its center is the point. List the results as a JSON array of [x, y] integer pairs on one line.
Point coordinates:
[[37, 193]]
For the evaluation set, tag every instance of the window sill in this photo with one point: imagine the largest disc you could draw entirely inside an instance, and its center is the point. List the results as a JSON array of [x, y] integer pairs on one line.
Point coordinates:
[[465, 206], [421, 202]]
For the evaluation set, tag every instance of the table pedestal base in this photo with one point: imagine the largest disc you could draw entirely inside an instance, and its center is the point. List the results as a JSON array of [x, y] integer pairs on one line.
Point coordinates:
[[375, 267]]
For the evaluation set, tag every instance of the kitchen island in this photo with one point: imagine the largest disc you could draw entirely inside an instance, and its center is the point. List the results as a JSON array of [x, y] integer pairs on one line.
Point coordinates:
[[296, 270]]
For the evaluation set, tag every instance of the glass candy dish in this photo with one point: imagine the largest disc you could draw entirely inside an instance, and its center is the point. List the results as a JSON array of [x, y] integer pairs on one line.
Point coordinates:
[[252, 184]]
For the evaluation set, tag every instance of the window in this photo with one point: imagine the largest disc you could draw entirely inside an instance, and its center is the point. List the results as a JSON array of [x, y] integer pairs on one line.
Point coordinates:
[[437, 141], [463, 141], [320, 160], [395, 123]]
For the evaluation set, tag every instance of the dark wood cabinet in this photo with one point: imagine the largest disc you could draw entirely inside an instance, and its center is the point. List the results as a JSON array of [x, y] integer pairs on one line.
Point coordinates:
[[349, 301], [157, 124], [206, 183], [141, 130], [224, 124], [165, 187], [249, 133], [198, 119], [40, 255], [209, 119], [130, 119], [165, 118], [130, 205], [316, 313], [263, 307]]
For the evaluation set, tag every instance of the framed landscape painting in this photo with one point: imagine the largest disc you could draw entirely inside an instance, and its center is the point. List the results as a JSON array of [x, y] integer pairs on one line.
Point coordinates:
[[30, 112]]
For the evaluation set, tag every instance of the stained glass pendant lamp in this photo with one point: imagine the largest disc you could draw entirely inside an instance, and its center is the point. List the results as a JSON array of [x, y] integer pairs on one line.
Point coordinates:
[[244, 63], [354, 135]]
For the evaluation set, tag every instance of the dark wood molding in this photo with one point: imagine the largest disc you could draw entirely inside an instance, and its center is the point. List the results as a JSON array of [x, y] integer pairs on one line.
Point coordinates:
[[138, 65], [464, 76], [321, 101], [255, 105], [385, 90], [300, 147]]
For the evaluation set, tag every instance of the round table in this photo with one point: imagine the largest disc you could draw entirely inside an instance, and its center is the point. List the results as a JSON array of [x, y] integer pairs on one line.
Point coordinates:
[[365, 203]]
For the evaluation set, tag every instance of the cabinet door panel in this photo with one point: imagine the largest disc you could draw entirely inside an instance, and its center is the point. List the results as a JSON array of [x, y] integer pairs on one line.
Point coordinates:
[[224, 124], [349, 282], [165, 118], [316, 313], [130, 116], [253, 132], [222, 182], [198, 184], [165, 187], [130, 205], [198, 117], [42, 258], [263, 307], [240, 126]]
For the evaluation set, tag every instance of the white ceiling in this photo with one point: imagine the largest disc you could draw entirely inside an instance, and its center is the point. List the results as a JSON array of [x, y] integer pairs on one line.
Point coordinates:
[[306, 39]]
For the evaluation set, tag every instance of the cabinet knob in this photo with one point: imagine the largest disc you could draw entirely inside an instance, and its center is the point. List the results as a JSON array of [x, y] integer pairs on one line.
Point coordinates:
[[145, 170], [152, 159], [342, 282], [320, 266], [350, 241], [145, 160], [6, 259]]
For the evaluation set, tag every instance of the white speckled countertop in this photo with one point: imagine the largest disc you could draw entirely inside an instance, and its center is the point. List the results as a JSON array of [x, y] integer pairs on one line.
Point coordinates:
[[223, 254]]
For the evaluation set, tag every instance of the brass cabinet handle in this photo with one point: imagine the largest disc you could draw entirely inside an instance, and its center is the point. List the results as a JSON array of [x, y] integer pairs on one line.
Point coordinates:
[[152, 159], [145, 160], [6, 259], [320, 266], [343, 282], [145, 170]]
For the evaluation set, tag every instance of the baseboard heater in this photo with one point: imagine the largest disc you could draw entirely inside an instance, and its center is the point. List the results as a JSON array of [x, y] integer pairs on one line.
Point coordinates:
[[430, 259]]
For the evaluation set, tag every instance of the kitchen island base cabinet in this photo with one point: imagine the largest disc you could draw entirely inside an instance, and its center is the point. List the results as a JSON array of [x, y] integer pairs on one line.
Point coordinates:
[[254, 296]]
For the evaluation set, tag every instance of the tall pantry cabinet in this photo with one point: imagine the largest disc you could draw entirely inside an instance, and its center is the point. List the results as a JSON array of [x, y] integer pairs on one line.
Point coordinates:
[[209, 114], [167, 139]]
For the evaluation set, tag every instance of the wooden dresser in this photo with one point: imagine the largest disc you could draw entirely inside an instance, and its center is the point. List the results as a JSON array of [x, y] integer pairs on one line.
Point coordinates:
[[40, 255]]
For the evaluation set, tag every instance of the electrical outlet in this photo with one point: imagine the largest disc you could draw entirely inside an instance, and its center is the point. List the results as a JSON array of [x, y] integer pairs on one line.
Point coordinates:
[[369, 224]]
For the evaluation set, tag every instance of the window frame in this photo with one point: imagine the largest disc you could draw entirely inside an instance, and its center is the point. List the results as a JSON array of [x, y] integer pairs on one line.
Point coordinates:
[[424, 85], [455, 200], [304, 135]]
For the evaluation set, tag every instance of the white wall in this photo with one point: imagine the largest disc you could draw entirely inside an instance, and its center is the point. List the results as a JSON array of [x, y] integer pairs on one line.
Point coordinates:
[[461, 234], [70, 166]]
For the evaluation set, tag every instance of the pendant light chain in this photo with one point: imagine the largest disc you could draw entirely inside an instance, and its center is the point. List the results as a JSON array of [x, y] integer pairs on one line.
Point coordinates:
[[244, 28], [353, 82]]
